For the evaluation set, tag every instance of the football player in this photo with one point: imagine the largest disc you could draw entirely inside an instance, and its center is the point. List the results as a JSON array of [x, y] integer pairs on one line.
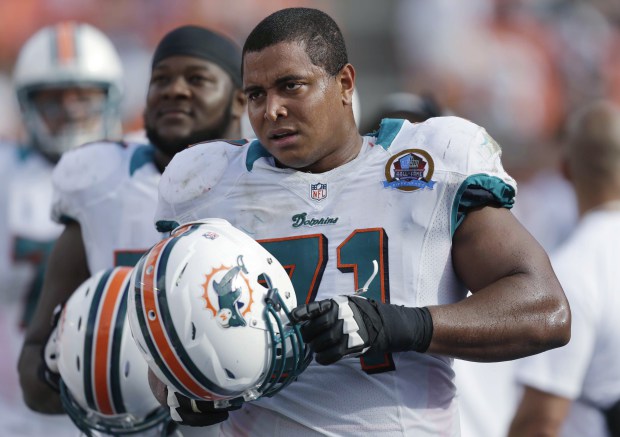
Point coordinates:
[[105, 193], [383, 236], [67, 78]]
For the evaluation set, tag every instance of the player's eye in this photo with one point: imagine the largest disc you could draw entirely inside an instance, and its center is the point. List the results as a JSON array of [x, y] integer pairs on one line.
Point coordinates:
[[293, 86], [254, 95]]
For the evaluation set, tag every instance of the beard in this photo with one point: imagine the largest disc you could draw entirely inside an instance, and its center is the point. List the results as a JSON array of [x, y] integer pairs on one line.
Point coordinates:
[[171, 146]]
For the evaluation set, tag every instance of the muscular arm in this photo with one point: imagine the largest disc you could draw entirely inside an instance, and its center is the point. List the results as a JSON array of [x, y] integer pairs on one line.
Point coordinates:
[[66, 270], [517, 307], [539, 414]]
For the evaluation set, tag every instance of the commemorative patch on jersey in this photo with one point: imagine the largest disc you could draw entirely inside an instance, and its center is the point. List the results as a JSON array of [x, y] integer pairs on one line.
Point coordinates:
[[318, 191], [409, 170], [228, 295]]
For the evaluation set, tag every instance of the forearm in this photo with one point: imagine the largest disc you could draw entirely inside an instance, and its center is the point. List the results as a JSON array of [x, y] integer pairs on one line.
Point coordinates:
[[38, 396], [511, 318]]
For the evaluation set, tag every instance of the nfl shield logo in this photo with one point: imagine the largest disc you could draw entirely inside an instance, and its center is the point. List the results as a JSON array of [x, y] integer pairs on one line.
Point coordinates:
[[318, 191]]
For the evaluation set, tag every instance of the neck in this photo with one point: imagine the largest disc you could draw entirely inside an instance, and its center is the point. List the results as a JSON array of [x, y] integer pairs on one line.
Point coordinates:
[[161, 160], [589, 202]]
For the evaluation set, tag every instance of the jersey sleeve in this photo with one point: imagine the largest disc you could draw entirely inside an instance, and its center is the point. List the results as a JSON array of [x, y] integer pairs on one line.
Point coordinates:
[[472, 158], [83, 176], [189, 177]]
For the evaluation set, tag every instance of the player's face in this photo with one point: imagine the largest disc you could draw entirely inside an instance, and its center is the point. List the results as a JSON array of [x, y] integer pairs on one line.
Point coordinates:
[[296, 108], [79, 108], [189, 100]]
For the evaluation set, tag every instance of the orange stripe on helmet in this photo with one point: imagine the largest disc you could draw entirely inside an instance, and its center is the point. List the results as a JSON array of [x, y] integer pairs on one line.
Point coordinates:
[[65, 40], [103, 340], [155, 324]]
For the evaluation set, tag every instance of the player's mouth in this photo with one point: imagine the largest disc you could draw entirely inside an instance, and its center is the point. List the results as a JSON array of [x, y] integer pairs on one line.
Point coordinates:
[[282, 137], [174, 113]]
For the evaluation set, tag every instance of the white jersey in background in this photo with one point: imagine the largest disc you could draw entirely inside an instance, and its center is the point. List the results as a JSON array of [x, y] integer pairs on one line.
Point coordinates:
[[110, 189], [398, 203], [27, 234], [587, 369]]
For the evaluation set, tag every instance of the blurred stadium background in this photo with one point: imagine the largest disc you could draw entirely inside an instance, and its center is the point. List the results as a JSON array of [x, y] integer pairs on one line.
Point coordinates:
[[515, 66]]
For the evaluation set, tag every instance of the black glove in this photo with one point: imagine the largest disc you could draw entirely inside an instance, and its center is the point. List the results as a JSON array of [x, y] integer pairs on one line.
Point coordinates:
[[186, 411], [612, 417], [352, 325]]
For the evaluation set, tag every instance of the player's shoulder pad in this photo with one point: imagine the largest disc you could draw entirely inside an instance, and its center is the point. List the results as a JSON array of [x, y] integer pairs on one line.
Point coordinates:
[[89, 165], [197, 169], [396, 133], [456, 144]]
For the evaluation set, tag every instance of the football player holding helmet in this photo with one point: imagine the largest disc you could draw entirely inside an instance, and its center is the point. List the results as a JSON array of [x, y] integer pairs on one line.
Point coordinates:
[[103, 377], [209, 309], [68, 84]]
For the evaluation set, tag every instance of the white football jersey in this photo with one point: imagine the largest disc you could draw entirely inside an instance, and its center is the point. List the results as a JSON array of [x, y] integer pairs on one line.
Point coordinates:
[[587, 369], [111, 190], [27, 234], [398, 203]]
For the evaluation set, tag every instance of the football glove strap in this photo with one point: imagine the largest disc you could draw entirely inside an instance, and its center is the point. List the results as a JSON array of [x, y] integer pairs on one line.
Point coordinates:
[[48, 369], [190, 412], [353, 325]]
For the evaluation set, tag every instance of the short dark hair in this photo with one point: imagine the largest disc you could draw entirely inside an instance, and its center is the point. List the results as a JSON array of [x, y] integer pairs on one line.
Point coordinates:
[[315, 29]]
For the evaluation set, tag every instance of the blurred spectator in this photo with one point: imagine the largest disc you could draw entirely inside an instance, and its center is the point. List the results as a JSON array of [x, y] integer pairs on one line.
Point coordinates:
[[569, 391], [413, 107], [68, 83]]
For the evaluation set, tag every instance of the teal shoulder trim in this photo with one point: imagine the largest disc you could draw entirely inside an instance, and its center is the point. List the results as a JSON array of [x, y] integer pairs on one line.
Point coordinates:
[[388, 129], [239, 142], [500, 193], [166, 225], [255, 151], [23, 153], [141, 156]]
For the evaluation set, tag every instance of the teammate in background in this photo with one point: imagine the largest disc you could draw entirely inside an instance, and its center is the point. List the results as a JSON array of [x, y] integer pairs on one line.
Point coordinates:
[[67, 78], [426, 204], [571, 391], [105, 193], [413, 107]]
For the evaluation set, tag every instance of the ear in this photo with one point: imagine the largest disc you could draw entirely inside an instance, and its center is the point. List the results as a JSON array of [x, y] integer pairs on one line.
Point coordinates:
[[239, 102], [346, 79]]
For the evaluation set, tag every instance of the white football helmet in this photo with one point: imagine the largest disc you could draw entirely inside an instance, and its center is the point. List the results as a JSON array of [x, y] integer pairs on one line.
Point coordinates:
[[69, 55], [103, 378], [209, 308]]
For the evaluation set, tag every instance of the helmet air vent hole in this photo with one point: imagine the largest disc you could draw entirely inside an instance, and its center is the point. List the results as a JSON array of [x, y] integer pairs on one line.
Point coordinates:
[[87, 291], [77, 363], [279, 352], [193, 331], [126, 370], [230, 374], [52, 356], [79, 323], [152, 315]]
